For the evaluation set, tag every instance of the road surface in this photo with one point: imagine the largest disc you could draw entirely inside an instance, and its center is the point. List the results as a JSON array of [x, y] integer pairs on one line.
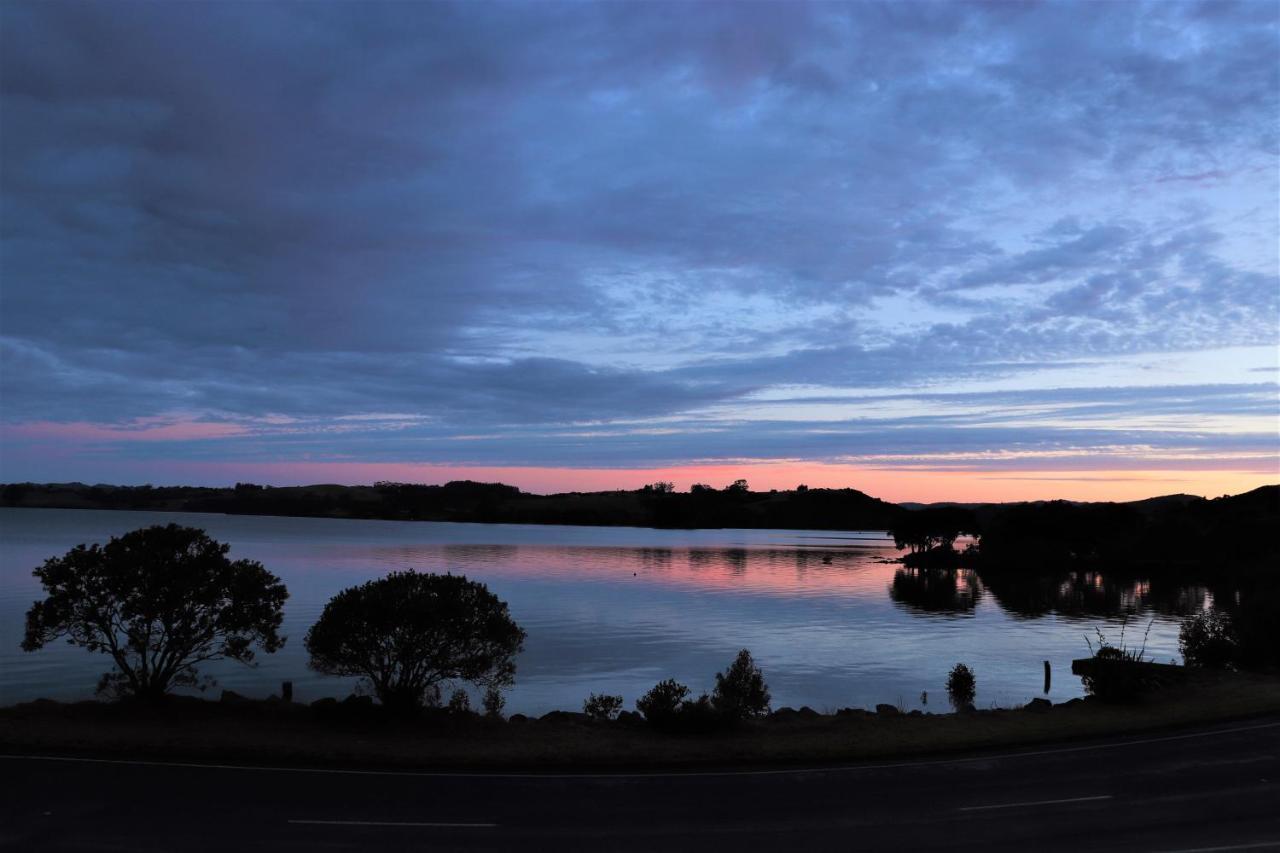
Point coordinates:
[[1216, 788]]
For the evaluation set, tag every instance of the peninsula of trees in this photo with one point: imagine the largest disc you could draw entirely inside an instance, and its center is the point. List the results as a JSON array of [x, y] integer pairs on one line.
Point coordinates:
[[1158, 534]]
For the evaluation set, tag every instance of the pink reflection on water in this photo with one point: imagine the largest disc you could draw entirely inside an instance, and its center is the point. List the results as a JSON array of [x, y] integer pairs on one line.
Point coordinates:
[[820, 570]]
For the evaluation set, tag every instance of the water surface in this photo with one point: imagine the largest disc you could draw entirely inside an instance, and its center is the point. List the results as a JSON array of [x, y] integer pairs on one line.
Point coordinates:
[[616, 609]]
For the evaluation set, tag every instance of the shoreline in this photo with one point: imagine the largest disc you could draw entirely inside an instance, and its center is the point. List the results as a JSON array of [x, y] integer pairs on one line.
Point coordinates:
[[360, 736]]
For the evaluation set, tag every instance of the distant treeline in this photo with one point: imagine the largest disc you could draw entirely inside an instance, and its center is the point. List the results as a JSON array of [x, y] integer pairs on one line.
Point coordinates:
[[657, 505], [1150, 536]]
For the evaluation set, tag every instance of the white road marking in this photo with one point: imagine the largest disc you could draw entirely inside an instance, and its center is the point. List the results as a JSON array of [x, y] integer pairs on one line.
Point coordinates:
[[1260, 845], [394, 823], [1035, 803], [692, 774]]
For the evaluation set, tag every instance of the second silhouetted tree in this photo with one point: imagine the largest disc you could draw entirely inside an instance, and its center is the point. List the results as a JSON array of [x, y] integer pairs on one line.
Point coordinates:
[[410, 632]]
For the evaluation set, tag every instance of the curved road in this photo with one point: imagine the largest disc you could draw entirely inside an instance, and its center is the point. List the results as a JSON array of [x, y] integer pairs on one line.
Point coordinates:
[[1211, 789]]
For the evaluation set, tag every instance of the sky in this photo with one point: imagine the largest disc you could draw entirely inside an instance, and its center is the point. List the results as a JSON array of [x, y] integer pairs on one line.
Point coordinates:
[[930, 251]]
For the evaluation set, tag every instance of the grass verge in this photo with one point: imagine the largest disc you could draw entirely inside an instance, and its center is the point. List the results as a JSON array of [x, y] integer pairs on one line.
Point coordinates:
[[281, 734]]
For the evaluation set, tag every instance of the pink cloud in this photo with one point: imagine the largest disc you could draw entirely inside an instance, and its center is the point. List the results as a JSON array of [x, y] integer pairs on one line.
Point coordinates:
[[143, 429]]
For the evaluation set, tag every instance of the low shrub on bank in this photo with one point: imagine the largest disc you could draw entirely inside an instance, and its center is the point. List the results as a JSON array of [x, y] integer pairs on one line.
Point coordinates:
[[459, 702], [1208, 639], [494, 702], [1117, 673], [602, 707], [667, 708], [662, 703], [962, 686], [740, 694], [1239, 636]]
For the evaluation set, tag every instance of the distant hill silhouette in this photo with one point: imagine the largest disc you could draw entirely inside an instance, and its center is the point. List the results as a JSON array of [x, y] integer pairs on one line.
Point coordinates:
[[1234, 531], [465, 500], [1156, 535]]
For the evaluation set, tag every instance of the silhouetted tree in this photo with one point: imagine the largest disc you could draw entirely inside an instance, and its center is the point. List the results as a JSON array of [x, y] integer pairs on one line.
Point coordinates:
[[494, 702], [160, 601], [410, 631], [740, 691], [935, 527], [962, 686], [737, 487]]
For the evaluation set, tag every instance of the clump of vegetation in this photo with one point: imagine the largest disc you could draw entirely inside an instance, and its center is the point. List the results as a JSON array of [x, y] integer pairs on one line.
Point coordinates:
[[962, 686], [602, 707], [935, 528], [459, 702], [661, 704], [409, 632], [494, 702], [160, 601], [1117, 673], [1208, 639], [667, 707], [740, 692], [1256, 624]]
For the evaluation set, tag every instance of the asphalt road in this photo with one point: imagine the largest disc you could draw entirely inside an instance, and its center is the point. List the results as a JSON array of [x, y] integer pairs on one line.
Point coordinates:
[[1210, 789]]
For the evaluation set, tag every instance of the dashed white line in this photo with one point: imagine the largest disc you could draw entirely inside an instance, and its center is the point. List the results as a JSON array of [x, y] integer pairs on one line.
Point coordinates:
[[1259, 845], [1034, 803], [393, 823]]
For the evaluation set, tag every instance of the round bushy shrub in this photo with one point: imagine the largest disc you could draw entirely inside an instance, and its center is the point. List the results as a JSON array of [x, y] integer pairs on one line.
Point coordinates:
[[1208, 639], [408, 633]]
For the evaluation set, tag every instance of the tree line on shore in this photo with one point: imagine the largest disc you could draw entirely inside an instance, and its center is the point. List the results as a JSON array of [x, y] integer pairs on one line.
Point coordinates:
[[1174, 534], [655, 505]]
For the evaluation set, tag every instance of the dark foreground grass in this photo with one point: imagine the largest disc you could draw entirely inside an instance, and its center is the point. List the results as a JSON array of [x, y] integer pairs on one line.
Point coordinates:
[[282, 734]]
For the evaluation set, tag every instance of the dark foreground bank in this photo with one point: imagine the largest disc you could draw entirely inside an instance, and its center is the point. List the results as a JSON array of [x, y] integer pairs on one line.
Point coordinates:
[[358, 734], [1192, 789]]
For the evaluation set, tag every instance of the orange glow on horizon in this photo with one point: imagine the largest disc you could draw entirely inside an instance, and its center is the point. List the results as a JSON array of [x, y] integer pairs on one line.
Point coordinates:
[[897, 485]]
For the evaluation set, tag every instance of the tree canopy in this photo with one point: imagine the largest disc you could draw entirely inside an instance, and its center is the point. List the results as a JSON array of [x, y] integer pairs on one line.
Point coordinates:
[[935, 527], [740, 691], [409, 632], [160, 601]]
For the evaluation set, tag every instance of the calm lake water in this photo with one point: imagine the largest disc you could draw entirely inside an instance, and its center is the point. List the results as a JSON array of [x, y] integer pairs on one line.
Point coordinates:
[[615, 609]]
